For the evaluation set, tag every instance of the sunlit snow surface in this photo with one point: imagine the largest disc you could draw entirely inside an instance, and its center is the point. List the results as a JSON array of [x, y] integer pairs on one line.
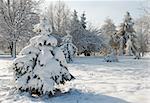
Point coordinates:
[[127, 81]]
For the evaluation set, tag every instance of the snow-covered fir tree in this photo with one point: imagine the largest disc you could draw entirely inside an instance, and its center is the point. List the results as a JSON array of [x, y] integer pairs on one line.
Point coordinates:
[[126, 29], [68, 48], [133, 46], [128, 40], [83, 20], [41, 66], [121, 45], [129, 47]]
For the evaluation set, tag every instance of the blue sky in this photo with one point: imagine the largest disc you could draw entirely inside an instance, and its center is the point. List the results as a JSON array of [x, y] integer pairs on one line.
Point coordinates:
[[98, 10]]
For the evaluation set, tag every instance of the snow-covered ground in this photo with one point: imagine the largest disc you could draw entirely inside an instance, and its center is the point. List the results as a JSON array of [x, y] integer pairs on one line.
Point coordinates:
[[127, 81]]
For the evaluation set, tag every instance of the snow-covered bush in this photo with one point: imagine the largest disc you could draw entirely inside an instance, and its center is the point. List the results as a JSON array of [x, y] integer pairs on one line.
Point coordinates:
[[41, 66], [114, 46], [68, 48], [112, 57]]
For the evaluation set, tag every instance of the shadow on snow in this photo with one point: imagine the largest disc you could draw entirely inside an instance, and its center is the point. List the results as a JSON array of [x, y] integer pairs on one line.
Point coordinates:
[[77, 96]]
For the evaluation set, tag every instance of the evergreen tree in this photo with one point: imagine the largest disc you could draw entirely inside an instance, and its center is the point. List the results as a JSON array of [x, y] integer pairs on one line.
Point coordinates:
[[126, 30], [129, 47], [77, 32], [133, 46], [41, 66], [83, 20], [68, 48]]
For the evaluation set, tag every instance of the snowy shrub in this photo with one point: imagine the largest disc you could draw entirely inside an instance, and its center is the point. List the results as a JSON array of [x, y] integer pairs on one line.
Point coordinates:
[[41, 66], [112, 57], [68, 48], [114, 46]]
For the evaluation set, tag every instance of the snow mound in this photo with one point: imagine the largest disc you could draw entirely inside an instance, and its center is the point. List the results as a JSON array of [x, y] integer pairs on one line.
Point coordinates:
[[111, 58]]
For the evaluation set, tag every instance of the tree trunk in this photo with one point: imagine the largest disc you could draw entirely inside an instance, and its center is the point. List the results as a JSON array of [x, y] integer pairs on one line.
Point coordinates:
[[10, 47], [142, 53], [14, 49]]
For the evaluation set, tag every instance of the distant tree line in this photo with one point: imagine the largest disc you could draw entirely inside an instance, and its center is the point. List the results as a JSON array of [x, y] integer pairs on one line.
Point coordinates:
[[18, 17]]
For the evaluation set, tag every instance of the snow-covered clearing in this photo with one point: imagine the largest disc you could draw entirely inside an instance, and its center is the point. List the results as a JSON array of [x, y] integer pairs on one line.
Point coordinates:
[[127, 81]]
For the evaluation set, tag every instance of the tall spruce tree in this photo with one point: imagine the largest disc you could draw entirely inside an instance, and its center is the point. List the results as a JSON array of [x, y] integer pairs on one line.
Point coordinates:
[[83, 20], [126, 29]]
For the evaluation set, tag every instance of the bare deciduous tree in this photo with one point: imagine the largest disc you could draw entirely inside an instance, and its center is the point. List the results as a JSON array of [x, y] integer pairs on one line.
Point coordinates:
[[17, 18], [142, 27], [59, 17]]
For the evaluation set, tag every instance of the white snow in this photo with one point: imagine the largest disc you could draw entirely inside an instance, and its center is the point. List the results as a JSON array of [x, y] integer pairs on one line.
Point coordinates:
[[60, 56], [30, 49], [126, 81], [50, 40]]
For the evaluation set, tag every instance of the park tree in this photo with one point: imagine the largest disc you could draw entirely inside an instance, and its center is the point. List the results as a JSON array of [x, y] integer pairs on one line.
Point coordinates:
[[77, 32], [68, 48], [17, 18], [108, 29], [41, 66], [113, 48], [142, 28], [83, 20], [126, 29], [59, 14]]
